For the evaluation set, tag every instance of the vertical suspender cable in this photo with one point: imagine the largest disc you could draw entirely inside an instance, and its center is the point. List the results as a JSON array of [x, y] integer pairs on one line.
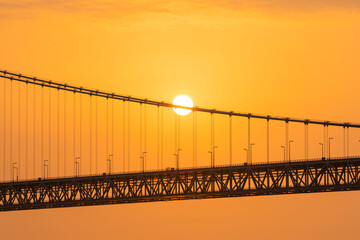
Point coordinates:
[[307, 141], [287, 139], [344, 140], [327, 140], [64, 134], [96, 136], [49, 164], [42, 129], [11, 164], [249, 146], [230, 138], [158, 137], [267, 141], [179, 119], [348, 148], [212, 139], [26, 131], [124, 135], [162, 137], [145, 150], [129, 136], [90, 150], [178, 141], [175, 149], [80, 137], [58, 133], [19, 143], [141, 159], [194, 138], [107, 128], [34, 135], [74, 134], [324, 140], [4, 139], [112, 132]]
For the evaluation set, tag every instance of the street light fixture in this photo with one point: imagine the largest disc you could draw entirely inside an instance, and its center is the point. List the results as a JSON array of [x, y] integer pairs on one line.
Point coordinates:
[[212, 153], [46, 166], [77, 166], [322, 151], [110, 160], [177, 155], [247, 154], [17, 172], [329, 146], [283, 147], [143, 160]]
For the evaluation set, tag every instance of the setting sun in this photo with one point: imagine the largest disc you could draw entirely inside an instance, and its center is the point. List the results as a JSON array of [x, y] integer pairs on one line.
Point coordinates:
[[185, 101]]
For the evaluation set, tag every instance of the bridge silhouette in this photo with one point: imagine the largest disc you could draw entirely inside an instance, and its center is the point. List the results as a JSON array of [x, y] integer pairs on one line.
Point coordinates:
[[59, 149]]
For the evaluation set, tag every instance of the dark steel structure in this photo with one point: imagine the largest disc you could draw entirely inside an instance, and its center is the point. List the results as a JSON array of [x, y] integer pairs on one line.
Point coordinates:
[[103, 94], [218, 182]]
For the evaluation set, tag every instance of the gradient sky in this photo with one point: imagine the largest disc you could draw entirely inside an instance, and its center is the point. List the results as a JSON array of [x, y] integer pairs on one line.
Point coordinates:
[[287, 58]]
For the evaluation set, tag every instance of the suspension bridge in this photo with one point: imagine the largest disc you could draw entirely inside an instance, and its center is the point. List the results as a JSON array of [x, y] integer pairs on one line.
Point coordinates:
[[64, 145]]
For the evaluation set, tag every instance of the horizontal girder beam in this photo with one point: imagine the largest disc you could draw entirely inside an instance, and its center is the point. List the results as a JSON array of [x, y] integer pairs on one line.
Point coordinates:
[[218, 182]]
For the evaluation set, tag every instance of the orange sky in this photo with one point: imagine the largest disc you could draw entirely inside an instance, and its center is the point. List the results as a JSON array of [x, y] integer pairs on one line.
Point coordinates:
[[298, 59]]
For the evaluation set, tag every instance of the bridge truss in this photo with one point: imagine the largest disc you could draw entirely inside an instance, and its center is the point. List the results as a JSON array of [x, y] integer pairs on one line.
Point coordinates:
[[218, 182]]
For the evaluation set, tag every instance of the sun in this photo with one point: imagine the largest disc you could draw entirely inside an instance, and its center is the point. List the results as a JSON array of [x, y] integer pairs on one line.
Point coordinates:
[[185, 101]]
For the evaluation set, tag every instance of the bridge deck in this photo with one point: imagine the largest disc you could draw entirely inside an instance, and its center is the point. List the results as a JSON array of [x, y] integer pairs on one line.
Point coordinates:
[[225, 181]]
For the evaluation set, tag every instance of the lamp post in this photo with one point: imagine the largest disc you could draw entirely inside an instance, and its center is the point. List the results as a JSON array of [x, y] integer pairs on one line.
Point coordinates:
[[329, 147], [17, 176], [212, 154], [77, 166], [177, 155], [247, 154], [283, 147], [46, 166], [110, 160], [290, 149], [322, 150], [142, 157]]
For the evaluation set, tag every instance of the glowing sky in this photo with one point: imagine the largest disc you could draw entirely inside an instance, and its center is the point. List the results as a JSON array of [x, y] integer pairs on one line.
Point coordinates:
[[288, 58]]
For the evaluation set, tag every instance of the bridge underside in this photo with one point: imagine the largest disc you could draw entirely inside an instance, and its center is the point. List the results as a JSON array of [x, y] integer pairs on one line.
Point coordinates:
[[219, 182]]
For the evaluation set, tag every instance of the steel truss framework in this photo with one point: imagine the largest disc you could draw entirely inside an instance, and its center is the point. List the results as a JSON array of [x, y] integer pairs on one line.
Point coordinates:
[[218, 182]]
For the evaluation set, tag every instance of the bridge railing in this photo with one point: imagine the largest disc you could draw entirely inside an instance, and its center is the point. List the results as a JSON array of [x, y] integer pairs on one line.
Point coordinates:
[[188, 168]]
